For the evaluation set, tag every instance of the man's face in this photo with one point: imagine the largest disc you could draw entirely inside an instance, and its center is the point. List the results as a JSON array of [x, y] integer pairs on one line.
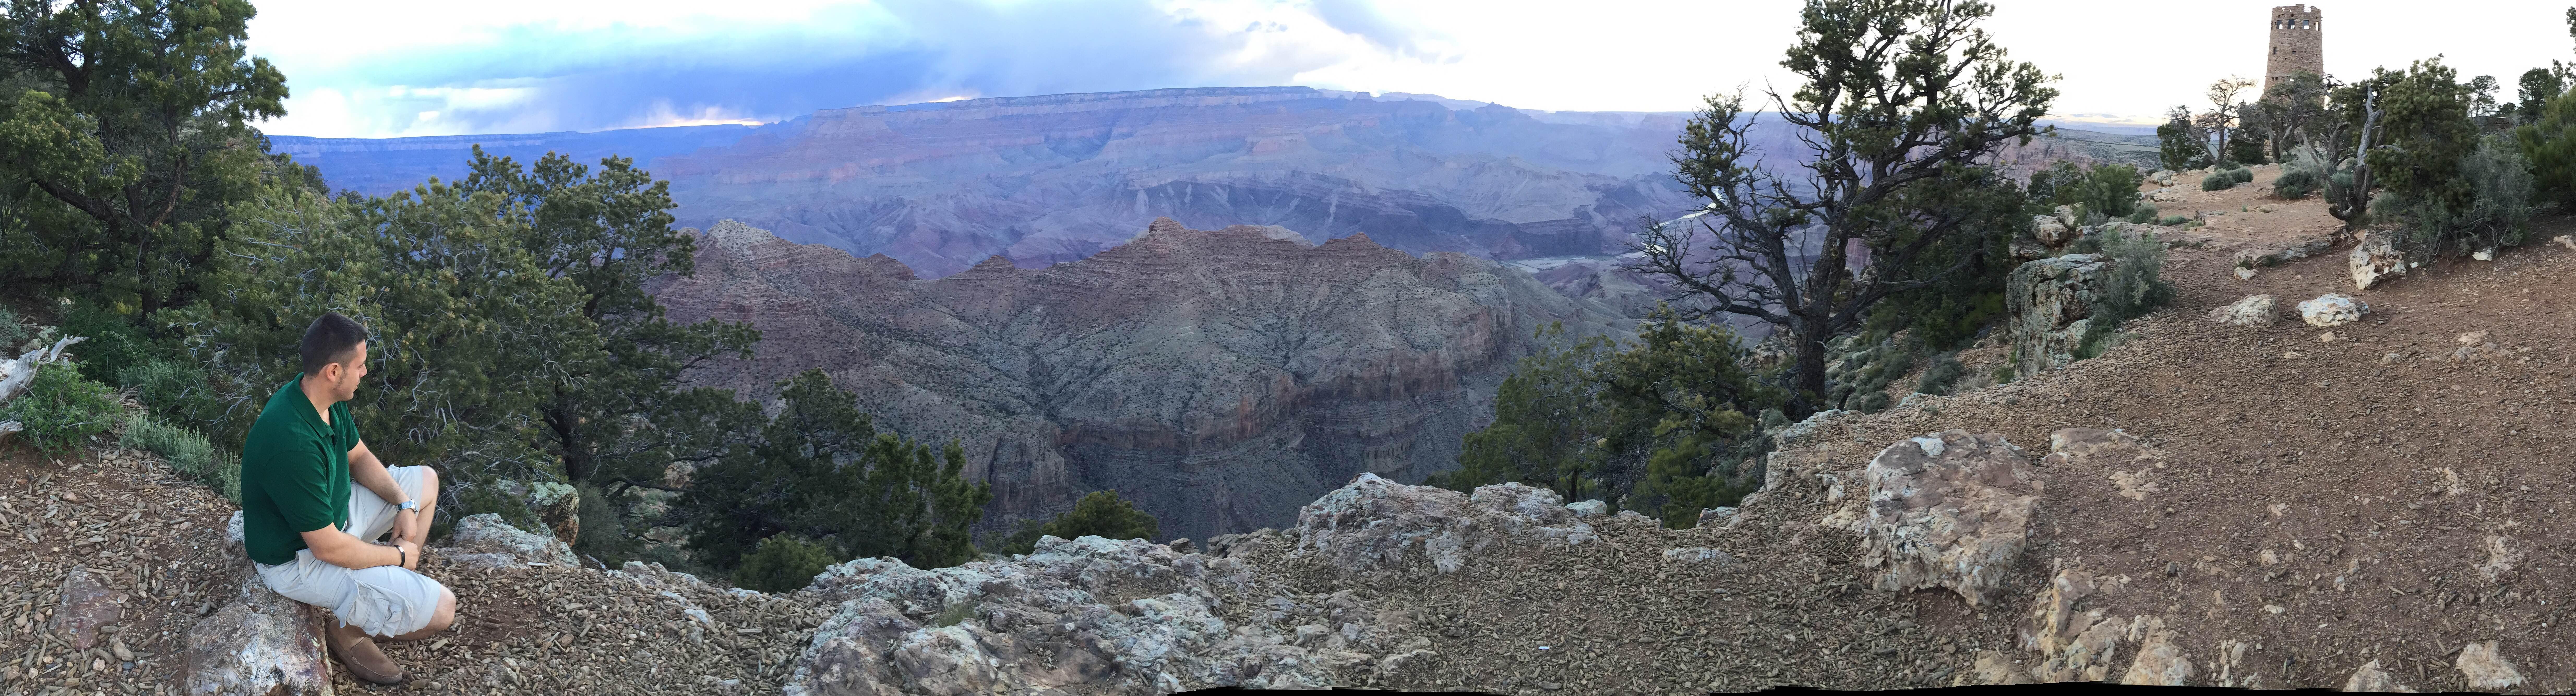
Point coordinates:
[[345, 386]]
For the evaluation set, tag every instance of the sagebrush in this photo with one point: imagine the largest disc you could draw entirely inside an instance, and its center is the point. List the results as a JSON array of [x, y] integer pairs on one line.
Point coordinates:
[[60, 410]]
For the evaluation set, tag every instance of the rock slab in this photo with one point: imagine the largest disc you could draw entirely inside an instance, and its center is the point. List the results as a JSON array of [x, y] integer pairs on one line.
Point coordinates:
[[1951, 509], [2253, 310], [484, 541], [259, 644]]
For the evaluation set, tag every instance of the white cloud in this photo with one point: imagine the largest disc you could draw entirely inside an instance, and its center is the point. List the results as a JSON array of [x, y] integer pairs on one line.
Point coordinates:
[[499, 66]]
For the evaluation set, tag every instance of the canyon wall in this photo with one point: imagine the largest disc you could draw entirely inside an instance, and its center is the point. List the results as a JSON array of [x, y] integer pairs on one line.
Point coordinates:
[[1221, 378]]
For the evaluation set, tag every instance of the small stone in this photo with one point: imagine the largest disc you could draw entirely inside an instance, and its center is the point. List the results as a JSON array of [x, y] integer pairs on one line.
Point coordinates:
[[2243, 273], [1588, 508], [2564, 240], [2327, 337], [2370, 679], [2251, 310], [2483, 255], [2486, 669]]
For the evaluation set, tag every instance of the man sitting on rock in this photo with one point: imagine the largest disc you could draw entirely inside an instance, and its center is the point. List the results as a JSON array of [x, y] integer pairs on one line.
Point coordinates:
[[313, 541]]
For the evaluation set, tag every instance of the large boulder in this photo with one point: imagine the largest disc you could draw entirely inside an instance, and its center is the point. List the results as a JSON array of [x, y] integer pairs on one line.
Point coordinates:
[[1950, 509], [2374, 260], [260, 643], [486, 541], [1088, 615], [2051, 302]]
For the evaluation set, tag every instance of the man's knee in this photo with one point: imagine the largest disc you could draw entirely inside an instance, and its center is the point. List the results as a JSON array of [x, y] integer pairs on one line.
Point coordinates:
[[428, 480], [446, 608]]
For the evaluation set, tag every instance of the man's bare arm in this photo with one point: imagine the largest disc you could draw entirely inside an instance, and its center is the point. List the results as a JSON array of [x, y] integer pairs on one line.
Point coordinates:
[[370, 473], [339, 548]]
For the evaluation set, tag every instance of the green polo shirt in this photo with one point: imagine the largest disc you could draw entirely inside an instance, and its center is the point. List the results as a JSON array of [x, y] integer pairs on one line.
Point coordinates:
[[294, 474]]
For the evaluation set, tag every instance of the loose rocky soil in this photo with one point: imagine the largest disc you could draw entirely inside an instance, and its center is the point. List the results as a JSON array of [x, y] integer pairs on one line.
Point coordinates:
[[2391, 495]]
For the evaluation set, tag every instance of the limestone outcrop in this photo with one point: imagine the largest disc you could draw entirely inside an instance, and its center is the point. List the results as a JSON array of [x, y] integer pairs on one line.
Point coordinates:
[[2050, 304], [1375, 524], [1950, 509], [1088, 615]]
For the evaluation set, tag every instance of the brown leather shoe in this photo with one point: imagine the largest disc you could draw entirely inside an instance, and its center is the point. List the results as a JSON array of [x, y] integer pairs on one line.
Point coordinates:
[[359, 655]]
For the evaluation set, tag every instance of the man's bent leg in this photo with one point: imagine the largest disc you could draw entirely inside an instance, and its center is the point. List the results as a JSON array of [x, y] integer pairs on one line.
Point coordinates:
[[446, 616], [428, 505], [371, 517]]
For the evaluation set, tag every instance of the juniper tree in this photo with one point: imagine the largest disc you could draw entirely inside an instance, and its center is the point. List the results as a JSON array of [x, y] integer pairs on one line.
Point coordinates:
[[617, 414], [1900, 102], [125, 142]]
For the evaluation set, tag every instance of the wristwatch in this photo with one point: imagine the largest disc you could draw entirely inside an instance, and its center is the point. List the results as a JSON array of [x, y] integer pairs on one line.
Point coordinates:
[[410, 506]]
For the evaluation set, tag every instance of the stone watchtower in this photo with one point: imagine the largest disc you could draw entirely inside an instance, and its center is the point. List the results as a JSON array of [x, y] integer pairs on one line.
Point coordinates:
[[2298, 43]]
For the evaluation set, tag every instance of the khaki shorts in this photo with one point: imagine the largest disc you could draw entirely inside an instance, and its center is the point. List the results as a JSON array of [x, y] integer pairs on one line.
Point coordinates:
[[382, 600]]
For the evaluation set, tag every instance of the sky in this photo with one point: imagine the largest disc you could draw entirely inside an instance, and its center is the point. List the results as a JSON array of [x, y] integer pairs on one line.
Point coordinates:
[[521, 66]]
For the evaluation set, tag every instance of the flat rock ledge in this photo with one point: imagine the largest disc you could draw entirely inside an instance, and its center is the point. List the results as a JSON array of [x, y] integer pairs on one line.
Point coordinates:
[[1949, 509]]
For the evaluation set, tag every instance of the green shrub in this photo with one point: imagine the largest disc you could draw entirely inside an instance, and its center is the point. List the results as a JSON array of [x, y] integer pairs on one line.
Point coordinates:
[[1941, 376], [174, 389], [2107, 189], [2549, 143], [2241, 175], [2134, 287], [187, 451], [13, 333], [2245, 150], [114, 341], [1860, 379], [782, 563], [1099, 513], [184, 449], [2295, 182], [2496, 212], [2144, 215], [603, 531], [2173, 220], [60, 410], [2217, 181]]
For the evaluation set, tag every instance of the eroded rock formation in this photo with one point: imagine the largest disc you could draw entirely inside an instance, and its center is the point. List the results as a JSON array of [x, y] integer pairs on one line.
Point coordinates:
[[1221, 378], [2051, 305]]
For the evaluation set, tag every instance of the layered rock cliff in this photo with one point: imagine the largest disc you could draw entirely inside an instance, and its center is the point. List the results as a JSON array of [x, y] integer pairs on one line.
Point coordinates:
[[1221, 378]]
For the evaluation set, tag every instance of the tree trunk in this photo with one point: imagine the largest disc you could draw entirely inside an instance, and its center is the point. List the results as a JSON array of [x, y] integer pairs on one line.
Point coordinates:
[[1808, 372]]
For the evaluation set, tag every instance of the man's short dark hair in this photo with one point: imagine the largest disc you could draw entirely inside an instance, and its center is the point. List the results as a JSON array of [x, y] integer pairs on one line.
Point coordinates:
[[331, 339]]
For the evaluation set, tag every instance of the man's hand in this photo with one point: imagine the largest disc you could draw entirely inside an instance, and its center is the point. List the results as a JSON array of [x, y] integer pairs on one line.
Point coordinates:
[[411, 553], [410, 525]]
